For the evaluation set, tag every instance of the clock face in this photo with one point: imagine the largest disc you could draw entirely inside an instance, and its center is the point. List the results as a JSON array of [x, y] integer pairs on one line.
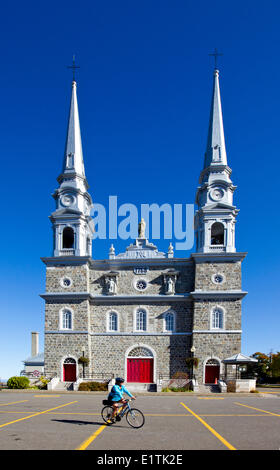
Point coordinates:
[[216, 194], [67, 200]]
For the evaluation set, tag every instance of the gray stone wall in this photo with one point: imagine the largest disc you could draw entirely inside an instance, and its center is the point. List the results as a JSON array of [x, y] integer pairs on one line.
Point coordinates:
[[59, 346], [215, 345], [126, 281], [205, 271], [79, 309], [78, 275], [155, 314], [202, 314], [109, 353]]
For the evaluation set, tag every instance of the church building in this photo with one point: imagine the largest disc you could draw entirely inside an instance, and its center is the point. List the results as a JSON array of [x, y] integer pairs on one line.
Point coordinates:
[[143, 313]]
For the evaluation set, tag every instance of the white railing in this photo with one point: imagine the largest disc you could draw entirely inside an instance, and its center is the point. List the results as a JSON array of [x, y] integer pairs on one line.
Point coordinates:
[[67, 252], [217, 248]]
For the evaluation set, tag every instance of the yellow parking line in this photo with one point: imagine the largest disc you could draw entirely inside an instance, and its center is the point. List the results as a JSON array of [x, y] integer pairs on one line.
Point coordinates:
[[88, 441], [36, 414], [13, 402], [258, 409], [46, 396], [210, 398], [226, 443]]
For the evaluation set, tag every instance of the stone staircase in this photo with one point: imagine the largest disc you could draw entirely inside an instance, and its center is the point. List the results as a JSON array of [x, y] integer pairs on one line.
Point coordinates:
[[64, 386], [141, 387], [208, 389]]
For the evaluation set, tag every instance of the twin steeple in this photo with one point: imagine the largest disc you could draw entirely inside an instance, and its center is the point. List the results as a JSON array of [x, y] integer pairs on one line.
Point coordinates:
[[214, 219]]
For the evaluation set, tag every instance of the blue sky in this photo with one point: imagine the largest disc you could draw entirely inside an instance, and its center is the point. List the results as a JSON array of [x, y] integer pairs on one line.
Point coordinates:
[[144, 90]]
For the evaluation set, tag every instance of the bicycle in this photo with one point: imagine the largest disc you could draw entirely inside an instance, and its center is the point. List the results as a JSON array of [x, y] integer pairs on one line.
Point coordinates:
[[134, 417]]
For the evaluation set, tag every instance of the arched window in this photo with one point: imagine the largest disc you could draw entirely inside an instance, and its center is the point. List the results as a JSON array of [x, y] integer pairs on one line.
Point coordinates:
[[66, 322], [217, 320], [113, 321], [141, 320], [68, 238], [217, 234], [169, 321]]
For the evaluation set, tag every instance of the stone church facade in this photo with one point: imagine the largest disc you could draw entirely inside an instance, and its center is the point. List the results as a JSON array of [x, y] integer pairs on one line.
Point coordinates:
[[141, 313]]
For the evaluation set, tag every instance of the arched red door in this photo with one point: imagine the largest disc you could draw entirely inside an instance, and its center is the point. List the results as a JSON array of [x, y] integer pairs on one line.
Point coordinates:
[[140, 365], [212, 371], [140, 370], [69, 370]]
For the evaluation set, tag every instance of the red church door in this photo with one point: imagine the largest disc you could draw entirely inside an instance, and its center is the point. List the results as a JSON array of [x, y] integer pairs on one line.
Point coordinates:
[[212, 373], [140, 370], [69, 372]]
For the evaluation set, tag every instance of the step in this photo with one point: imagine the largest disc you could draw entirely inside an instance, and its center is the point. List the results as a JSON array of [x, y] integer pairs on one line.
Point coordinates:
[[211, 388], [141, 387], [64, 386]]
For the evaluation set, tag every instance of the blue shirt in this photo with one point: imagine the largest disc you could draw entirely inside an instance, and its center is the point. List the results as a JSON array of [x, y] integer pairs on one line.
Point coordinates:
[[117, 392]]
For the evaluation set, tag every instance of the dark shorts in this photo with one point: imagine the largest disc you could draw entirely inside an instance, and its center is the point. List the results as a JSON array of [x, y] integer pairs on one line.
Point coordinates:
[[110, 402]]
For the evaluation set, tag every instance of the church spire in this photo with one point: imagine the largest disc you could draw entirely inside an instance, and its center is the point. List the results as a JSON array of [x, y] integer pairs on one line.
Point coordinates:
[[72, 223], [216, 148], [73, 154], [216, 215]]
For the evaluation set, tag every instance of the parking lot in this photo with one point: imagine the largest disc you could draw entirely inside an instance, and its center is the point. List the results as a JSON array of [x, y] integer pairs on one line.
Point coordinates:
[[72, 421]]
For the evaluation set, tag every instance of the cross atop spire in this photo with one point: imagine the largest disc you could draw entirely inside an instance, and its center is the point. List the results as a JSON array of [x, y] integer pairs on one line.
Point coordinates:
[[73, 67], [216, 54]]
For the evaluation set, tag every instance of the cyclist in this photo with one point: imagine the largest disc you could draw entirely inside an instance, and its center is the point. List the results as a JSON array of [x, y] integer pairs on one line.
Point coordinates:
[[116, 395]]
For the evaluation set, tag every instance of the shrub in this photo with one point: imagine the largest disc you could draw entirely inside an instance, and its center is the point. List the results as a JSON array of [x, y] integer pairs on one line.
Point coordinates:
[[93, 387], [18, 382], [176, 389], [44, 383]]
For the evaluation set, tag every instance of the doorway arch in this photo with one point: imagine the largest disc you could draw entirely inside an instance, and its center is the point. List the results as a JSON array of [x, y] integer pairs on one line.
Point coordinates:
[[69, 370], [211, 371]]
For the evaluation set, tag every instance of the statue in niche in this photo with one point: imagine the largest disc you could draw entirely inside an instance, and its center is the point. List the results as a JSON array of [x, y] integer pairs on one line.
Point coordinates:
[[170, 286], [141, 228], [111, 284]]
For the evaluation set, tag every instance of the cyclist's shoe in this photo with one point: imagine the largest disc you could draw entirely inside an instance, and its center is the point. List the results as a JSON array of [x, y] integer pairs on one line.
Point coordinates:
[[118, 418]]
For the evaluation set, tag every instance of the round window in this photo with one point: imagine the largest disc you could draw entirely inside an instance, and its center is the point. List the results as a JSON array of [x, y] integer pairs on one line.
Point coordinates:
[[141, 284], [218, 278], [66, 282]]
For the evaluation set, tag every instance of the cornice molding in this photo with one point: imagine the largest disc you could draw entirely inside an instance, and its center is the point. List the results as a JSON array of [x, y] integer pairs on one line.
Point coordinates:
[[218, 294]]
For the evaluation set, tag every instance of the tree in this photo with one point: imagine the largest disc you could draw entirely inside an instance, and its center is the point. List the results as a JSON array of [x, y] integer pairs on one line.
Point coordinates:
[[275, 364], [262, 367]]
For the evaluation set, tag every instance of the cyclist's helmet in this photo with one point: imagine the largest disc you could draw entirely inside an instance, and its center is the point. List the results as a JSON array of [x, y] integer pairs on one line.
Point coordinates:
[[119, 380]]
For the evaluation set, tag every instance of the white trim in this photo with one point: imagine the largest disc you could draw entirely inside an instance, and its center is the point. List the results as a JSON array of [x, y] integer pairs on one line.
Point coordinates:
[[108, 321], [217, 331], [135, 321], [63, 279], [223, 318], [218, 283], [134, 282], [61, 318], [141, 345], [174, 321]]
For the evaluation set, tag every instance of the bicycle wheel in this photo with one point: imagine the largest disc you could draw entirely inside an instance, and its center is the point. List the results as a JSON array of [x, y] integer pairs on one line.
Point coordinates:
[[135, 418], [106, 414]]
